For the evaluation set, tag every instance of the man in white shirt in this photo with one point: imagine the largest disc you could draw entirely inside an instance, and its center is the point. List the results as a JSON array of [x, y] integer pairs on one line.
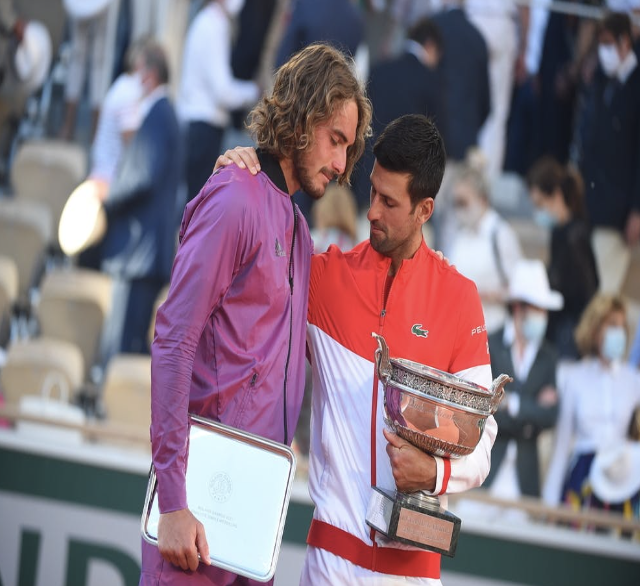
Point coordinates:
[[208, 91], [504, 28], [119, 119], [142, 212]]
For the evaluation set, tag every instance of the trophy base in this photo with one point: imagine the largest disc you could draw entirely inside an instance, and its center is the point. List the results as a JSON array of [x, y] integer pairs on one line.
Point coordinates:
[[415, 519]]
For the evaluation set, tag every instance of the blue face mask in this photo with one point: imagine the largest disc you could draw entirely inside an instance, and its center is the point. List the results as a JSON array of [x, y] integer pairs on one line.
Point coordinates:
[[534, 326], [614, 343], [543, 218]]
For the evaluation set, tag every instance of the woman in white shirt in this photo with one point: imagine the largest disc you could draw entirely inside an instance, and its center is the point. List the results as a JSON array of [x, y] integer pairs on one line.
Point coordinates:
[[598, 395], [484, 247]]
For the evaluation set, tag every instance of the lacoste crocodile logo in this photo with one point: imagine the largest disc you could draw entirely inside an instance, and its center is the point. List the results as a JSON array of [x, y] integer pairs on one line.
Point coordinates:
[[417, 330]]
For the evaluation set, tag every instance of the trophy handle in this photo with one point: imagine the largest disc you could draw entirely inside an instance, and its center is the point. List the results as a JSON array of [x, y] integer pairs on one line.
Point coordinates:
[[383, 364], [497, 390]]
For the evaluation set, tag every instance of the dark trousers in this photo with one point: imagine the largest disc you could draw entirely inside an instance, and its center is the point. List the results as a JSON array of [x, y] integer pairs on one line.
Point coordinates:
[[203, 147], [523, 129], [127, 327]]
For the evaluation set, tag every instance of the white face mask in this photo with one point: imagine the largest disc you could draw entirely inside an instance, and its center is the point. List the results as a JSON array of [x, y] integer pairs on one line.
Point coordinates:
[[137, 78], [470, 215], [614, 343], [146, 84], [233, 7], [609, 58], [534, 326]]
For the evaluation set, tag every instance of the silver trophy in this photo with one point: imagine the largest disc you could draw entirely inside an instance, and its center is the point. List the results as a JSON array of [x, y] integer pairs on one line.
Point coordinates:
[[442, 415]]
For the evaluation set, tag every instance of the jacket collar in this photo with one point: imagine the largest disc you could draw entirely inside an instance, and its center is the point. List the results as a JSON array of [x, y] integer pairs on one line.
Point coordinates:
[[150, 100], [383, 262], [271, 166]]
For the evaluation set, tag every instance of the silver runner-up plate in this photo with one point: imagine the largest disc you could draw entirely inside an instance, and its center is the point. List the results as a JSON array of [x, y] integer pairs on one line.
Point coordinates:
[[238, 487]]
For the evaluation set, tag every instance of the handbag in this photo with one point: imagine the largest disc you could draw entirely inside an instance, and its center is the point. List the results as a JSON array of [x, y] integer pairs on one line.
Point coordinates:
[[56, 409]]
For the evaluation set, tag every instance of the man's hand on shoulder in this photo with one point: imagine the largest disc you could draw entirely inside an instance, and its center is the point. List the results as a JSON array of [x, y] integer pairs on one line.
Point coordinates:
[[243, 157], [180, 538], [412, 468], [443, 258]]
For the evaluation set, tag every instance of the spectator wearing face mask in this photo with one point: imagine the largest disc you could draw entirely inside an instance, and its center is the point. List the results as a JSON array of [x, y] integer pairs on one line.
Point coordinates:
[[483, 246], [608, 151], [557, 194], [598, 397], [531, 400]]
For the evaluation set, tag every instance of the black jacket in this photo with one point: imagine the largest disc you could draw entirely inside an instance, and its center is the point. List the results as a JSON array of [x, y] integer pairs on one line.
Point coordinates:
[[609, 149], [572, 272], [142, 214], [464, 65], [404, 86], [532, 418]]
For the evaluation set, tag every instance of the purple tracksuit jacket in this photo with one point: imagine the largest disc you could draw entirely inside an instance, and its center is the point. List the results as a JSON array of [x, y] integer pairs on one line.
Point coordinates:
[[230, 338]]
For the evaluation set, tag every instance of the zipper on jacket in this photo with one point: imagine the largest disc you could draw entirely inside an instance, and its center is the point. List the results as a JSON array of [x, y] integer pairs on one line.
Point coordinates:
[[291, 273], [386, 293]]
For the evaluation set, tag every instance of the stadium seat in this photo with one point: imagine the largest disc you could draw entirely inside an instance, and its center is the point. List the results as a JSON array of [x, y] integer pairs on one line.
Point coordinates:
[[73, 306], [30, 362], [25, 231], [8, 295], [48, 171], [126, 394]]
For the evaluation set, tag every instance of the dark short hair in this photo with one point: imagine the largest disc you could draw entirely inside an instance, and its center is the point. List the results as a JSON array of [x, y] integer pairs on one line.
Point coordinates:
[[155, 59], [618, 24], [425, 30], [412, 144], [548, 175]]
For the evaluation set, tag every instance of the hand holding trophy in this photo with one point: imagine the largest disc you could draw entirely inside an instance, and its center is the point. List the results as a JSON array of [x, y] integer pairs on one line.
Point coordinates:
[[442, 415]]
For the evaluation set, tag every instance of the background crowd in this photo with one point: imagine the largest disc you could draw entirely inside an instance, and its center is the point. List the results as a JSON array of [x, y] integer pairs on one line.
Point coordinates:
[[539, 108]]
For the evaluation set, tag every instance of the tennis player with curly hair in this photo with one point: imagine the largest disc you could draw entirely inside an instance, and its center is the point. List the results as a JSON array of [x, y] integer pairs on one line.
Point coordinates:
[[230, 338]]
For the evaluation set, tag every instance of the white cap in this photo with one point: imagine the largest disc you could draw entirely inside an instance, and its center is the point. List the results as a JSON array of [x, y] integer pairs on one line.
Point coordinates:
[[83, 9], [529, 283], [615, 472]]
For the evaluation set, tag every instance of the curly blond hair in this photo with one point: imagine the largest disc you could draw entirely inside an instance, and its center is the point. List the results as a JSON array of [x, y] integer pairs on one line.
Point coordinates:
[[307, 90], [599, 308]]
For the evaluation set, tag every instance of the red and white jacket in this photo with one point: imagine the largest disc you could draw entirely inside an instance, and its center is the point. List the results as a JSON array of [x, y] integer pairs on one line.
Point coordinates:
[[433, 316]]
